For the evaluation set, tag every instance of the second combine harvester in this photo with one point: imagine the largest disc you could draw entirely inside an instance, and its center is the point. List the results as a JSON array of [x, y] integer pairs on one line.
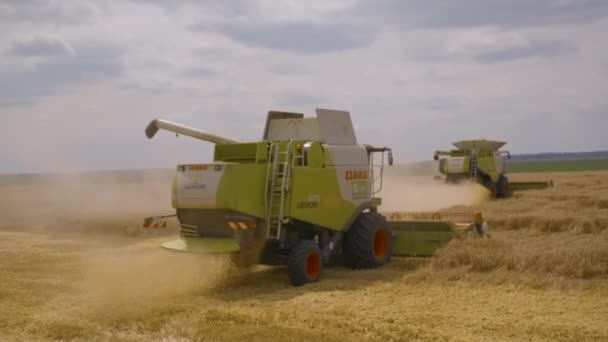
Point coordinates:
[[303, 193], [483, 162]]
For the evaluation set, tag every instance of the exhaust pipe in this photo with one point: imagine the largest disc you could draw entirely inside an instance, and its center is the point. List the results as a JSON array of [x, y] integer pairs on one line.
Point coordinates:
[[157, 124]]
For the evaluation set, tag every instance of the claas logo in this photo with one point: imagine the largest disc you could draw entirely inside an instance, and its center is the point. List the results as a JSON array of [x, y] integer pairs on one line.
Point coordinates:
[[198, 167], [356, 174]]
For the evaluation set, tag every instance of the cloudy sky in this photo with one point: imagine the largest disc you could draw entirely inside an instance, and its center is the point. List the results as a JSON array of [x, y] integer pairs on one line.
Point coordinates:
[[79, 80]]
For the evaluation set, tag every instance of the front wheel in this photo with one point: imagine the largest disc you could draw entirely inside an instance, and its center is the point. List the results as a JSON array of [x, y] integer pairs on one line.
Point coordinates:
[[304, 263], [369, 242], [502, 187]]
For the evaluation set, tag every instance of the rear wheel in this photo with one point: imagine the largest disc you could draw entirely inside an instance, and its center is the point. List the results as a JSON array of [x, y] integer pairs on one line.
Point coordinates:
[[369, 242], [491, 186], [502, 187], [304, 263]]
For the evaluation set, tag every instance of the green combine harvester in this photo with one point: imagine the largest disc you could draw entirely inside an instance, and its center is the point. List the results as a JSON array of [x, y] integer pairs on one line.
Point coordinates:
[[482, 161], [304, 193]]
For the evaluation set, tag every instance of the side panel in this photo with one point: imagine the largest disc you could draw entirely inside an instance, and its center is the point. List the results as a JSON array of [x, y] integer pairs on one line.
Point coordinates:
[[487, 165], [237, 187], [456, 165], [316, 198], [241, 189], [352, 171], [240, 153], [196, 185]]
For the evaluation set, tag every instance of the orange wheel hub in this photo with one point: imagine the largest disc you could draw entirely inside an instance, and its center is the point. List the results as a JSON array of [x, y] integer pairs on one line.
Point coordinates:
[[380, 243], [312, 265]]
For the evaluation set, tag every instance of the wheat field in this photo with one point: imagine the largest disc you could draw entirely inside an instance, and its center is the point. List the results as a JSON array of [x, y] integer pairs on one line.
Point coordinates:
[[75, 265]]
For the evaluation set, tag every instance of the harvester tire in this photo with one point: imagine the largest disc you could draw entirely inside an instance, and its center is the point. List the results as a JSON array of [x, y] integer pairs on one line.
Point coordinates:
[[304, 263], [502, 187], [492, 188], [369, 242]]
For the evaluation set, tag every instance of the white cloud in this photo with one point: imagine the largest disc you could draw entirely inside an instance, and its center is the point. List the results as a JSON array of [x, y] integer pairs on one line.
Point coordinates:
[[79, 82]]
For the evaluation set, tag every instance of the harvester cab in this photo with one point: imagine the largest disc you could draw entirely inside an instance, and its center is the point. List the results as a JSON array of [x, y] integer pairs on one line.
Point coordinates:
[[303, 193]]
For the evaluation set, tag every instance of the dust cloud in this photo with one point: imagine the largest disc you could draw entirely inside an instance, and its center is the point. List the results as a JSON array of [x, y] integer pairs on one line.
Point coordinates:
[[404, 190], [127, 280], [105, 203], [118, 267]]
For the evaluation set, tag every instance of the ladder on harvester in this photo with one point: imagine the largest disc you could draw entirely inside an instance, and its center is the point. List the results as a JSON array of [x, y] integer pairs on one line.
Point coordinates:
[[473, 171], [278, 181]]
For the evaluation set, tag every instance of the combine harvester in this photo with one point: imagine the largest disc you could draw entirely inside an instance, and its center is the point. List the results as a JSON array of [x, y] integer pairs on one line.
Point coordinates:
[[301, 195], [482, 161]]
